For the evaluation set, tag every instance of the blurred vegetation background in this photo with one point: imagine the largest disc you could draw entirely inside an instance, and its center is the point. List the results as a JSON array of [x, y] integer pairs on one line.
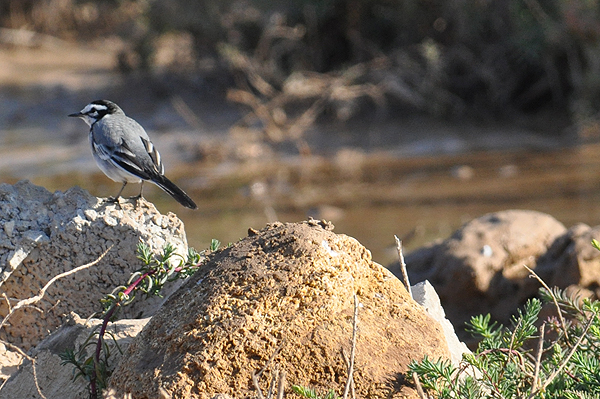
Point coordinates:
[[290, 63], [385, 116]]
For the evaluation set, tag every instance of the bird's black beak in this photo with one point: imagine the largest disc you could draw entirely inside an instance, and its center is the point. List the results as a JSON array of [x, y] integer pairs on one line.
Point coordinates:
[[77, 114]]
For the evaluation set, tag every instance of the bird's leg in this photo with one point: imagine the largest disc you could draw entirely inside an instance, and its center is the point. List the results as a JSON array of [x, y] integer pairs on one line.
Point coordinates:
[[140, 195], [115, 199]]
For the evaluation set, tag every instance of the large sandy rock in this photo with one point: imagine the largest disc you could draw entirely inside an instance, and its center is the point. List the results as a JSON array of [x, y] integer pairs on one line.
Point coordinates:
[[55, 381], [43, 234], [284, 293], [479, 269]]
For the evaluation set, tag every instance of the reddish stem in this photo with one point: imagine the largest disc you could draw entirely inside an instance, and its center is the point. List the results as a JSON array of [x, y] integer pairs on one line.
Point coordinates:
[[107, 317]]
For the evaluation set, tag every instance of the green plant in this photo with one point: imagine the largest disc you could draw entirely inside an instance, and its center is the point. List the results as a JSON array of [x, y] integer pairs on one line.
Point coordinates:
[[558, 359], [311, 393], [156, 271]]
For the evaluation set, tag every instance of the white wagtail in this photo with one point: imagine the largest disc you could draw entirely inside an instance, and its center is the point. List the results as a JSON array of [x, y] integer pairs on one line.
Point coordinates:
[[124, 152]]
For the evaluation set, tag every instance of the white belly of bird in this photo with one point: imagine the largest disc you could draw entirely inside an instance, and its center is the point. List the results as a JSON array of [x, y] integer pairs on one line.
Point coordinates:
[[116, 173]]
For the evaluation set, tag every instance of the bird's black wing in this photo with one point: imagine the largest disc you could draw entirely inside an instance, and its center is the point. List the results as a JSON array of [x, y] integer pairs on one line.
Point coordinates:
[[123, 158]]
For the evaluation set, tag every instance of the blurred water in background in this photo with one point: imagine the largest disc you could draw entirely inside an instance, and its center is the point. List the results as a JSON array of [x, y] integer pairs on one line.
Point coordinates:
[[414, 177]]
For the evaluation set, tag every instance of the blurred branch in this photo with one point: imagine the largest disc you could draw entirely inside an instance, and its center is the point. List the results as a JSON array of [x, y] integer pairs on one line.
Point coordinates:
[[186, 113]]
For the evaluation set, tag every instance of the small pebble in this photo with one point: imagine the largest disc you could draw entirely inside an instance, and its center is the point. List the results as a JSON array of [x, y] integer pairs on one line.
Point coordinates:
[[9, 228], [110, 221]]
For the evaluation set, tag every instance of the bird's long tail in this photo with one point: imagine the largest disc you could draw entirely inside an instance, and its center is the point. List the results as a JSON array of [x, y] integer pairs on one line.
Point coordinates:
[[178, 194]]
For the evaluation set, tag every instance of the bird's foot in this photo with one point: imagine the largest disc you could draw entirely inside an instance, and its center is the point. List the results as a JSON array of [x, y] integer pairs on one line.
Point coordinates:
[[137, 199], [113, 200]]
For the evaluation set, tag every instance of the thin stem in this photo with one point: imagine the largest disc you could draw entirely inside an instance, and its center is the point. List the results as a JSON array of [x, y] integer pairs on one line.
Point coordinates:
[[420, 391], [111, 311], [281, 384], [560, 315], [257, 386], [565, 360], [538, 358], [403, 265]]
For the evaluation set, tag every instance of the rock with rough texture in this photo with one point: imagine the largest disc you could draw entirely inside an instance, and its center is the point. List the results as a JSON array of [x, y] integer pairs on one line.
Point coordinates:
[[281, 298], [9, 362], [479, 269], [54, 380], [43, 234], [572, 262]]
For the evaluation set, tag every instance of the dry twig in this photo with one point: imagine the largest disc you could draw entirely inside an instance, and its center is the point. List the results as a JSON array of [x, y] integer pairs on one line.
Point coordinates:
[[538, 358], [29, 301], [281, 384], [257, 386], [35, 379], [24, 355], [560, 315], [188, 115], [418, 385], [559, 369], [347, 361], [403, 265], [256, 376], [274, 379]]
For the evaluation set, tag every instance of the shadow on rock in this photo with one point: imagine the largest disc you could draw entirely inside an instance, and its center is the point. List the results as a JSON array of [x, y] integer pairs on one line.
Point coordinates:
[[479, 269]]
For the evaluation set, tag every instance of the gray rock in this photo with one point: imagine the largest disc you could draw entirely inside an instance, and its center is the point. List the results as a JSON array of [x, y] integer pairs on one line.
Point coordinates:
[[45, 234], [424, 294], [55, 380]]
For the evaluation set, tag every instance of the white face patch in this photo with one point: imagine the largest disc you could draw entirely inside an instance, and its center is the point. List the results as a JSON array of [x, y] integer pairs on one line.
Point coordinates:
[[90, 112], [93, 109]]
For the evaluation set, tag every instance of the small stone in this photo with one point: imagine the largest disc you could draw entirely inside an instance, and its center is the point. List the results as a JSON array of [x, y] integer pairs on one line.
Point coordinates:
[[91, 214], [9, 228], [35, 236], [110, 221], [17, 257]]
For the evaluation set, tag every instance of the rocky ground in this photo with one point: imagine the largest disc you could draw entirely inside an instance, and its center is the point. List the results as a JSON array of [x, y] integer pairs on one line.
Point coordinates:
[[283, 293], [280, 299]]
